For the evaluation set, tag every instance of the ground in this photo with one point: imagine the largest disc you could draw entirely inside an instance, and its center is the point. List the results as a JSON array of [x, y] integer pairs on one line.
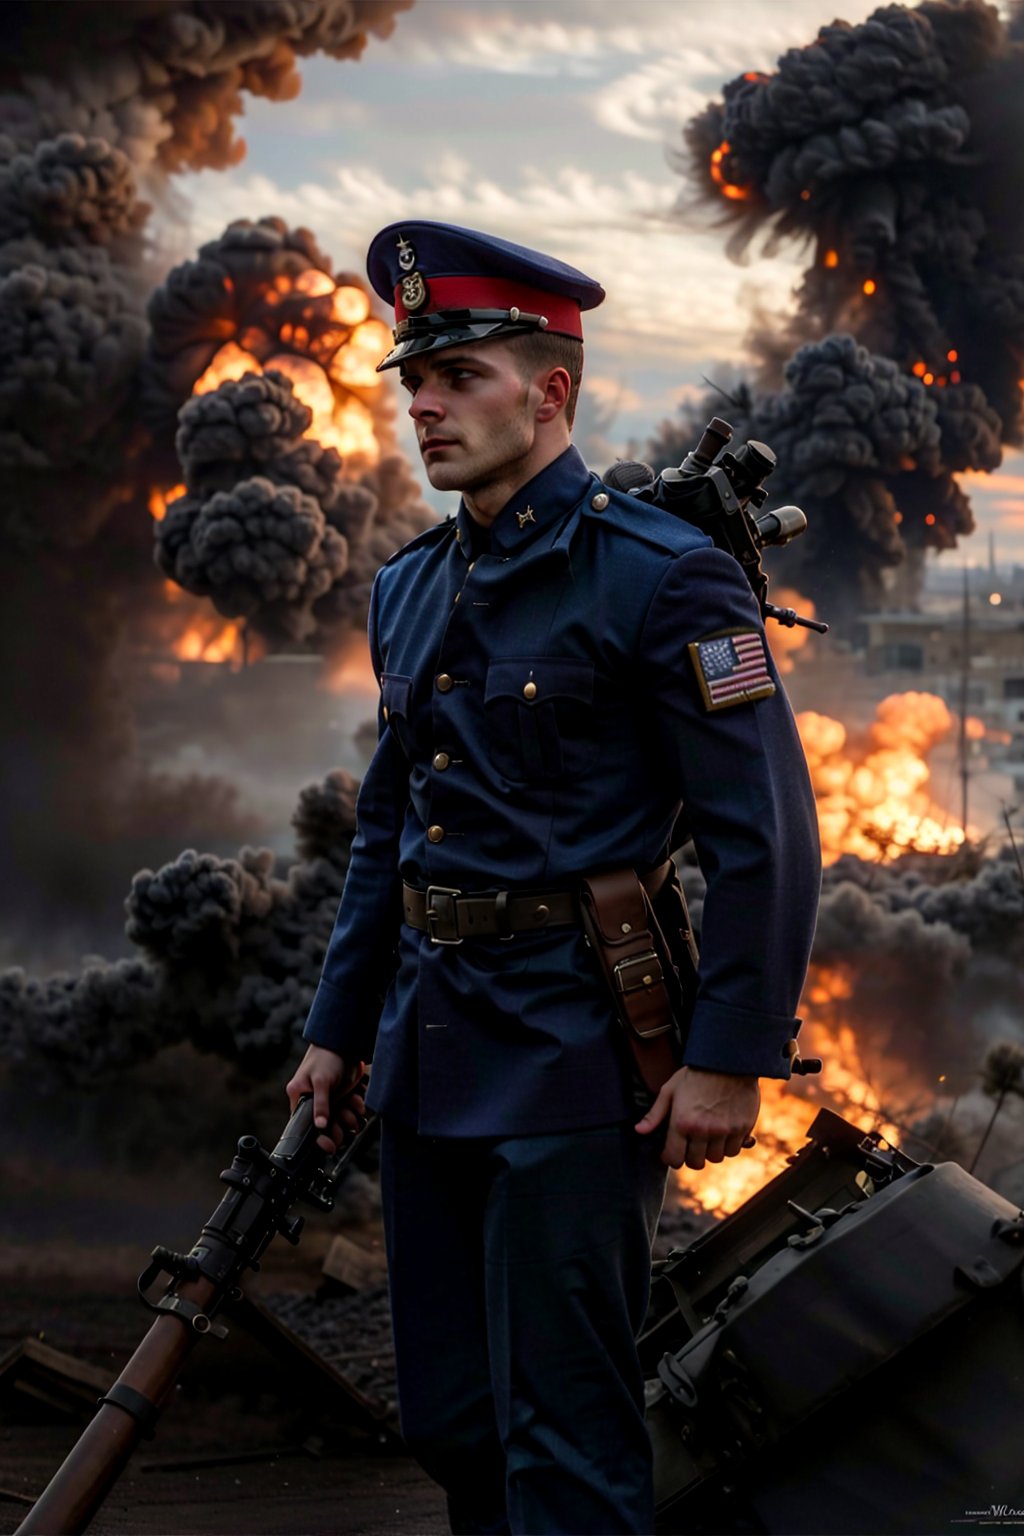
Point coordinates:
[[75, 1230], [285, 1471]]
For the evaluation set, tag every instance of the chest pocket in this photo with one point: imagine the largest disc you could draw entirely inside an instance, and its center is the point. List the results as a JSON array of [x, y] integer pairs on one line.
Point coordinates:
[[395, 694], [540, 717]]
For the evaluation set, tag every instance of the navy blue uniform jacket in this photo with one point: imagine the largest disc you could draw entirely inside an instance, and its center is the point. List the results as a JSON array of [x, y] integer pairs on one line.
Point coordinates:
[[479, 785]]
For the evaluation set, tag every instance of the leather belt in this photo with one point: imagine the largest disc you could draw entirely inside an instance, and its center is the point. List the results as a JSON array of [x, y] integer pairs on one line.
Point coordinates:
[[449, 915]]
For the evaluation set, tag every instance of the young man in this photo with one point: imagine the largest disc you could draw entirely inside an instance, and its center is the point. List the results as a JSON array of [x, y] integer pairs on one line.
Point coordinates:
[[544, 715]]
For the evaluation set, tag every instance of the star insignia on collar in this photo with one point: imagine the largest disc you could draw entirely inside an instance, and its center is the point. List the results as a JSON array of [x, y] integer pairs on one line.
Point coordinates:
[[525, 517]]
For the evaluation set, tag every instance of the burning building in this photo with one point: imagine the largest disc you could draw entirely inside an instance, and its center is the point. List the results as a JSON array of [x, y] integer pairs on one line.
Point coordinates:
[[891, 151]]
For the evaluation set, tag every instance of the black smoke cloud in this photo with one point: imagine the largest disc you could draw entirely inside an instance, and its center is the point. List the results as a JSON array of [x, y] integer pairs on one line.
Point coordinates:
[[262, 549], [892, 149], [229, 954], [274, 527], [229, 951], [932, 948], [99, 105], [162, 80]]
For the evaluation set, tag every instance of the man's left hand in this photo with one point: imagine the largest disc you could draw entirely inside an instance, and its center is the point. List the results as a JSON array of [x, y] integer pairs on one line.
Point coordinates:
[[710, 1116]]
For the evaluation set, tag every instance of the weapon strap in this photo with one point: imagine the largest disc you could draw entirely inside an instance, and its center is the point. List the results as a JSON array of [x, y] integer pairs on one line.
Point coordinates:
[[629, 945], [134, 1403]]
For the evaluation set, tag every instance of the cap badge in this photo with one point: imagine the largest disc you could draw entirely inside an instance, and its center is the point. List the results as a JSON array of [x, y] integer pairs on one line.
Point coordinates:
[[526, 517], [414, 291], [406, 254]]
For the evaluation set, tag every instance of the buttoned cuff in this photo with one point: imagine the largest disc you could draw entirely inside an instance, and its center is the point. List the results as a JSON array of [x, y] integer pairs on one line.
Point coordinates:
[[727, 1039], [334, 1024]]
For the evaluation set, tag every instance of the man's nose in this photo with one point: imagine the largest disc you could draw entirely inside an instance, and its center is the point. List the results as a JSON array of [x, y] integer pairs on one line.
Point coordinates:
[[426, 403]]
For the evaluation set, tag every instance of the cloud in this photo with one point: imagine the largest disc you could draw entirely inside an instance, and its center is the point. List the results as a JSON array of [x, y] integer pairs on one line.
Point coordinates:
[[1001, 481], [613, 394], [312, 119], [691, 62], [558, 39], [584, 37]]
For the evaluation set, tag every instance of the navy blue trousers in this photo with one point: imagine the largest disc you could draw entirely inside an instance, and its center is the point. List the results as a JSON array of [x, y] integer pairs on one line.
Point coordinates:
[[520, 1271]]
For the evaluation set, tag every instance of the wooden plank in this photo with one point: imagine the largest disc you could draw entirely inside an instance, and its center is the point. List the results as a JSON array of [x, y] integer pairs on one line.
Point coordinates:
[[306, 1368], [52, 1377], [353, 1266]]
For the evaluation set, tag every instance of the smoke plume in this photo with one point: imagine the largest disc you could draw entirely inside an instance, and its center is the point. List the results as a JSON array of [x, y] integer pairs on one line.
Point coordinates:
[[229, 957], [269, 363], [892, 151], [930, 949], [99, 105]]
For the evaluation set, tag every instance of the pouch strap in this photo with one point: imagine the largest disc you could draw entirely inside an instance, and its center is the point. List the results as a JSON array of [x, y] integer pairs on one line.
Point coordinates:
[[620, 926]]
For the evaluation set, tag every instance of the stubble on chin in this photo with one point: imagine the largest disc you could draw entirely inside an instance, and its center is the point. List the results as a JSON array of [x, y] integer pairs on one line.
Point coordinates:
[[444, 477]]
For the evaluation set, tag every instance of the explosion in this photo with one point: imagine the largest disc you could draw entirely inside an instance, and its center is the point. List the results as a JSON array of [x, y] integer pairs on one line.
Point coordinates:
[[875, 803], [892, 148], [186, 630], [262, 298], [785, 641], [787, 1109], [268, 363]]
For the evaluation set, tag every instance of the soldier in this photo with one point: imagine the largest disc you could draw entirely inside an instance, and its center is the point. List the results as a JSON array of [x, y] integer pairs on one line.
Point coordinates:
[[551, 695]]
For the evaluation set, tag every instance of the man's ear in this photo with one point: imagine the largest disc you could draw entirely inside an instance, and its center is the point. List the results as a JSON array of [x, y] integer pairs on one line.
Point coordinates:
[[557, 386]]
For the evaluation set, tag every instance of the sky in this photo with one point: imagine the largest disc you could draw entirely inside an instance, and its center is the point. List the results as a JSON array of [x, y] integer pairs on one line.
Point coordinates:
[[555, 123]]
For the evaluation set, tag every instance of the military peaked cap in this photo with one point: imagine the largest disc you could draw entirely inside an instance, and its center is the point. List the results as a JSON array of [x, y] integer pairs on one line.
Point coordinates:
[[451, 286]]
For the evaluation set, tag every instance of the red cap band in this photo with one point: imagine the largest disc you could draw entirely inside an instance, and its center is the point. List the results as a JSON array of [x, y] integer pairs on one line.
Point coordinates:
[[497, 293]]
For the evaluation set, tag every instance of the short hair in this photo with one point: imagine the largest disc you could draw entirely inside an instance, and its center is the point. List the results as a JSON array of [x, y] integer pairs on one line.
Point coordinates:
[[544, 349]]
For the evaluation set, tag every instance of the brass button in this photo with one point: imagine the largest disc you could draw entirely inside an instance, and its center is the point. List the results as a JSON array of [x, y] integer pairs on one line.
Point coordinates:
[[470, 566], [435, 834], [456, 598], [445, 683], [791, 1049], [386, 711], [441, 761], [599, 502], [530, 691], [458, 535]]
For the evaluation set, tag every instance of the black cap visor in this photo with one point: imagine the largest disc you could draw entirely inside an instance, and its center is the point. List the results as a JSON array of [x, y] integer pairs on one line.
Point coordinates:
[[453, 328]]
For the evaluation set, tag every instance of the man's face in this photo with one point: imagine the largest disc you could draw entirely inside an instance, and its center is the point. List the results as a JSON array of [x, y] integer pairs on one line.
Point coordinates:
[[474, 414]]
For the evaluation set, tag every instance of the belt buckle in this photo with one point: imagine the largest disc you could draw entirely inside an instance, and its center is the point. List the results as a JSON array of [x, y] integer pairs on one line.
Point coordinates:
[[440, 914]]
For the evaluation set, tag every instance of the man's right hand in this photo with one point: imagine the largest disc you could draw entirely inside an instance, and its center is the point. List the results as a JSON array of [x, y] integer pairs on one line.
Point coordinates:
[[337, 1110]]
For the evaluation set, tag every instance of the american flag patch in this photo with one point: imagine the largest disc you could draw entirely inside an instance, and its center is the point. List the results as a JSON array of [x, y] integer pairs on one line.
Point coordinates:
[[732, 668]]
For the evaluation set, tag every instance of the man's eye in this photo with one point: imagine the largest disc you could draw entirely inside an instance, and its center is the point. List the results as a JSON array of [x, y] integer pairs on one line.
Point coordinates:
[[410, 384]]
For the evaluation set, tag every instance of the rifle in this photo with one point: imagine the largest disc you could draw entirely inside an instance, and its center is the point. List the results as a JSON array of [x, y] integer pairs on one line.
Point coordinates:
[[262, 1189], [721, 491]]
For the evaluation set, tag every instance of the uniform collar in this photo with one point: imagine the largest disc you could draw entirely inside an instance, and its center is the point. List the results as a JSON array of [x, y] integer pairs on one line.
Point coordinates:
[[539, 504]]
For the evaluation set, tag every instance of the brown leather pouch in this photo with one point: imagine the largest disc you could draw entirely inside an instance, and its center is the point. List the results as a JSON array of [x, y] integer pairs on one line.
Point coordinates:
[[639, 964]]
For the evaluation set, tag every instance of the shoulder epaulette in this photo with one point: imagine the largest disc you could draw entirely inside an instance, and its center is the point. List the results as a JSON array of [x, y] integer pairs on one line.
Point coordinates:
[[433, 535], [639, 520]]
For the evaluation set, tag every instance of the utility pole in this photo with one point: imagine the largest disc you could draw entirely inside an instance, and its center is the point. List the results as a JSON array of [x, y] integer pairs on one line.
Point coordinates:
[[1007, 813]]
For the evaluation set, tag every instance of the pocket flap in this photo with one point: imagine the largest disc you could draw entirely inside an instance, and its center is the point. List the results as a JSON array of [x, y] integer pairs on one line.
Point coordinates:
[[534, 679], [394, 694]]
